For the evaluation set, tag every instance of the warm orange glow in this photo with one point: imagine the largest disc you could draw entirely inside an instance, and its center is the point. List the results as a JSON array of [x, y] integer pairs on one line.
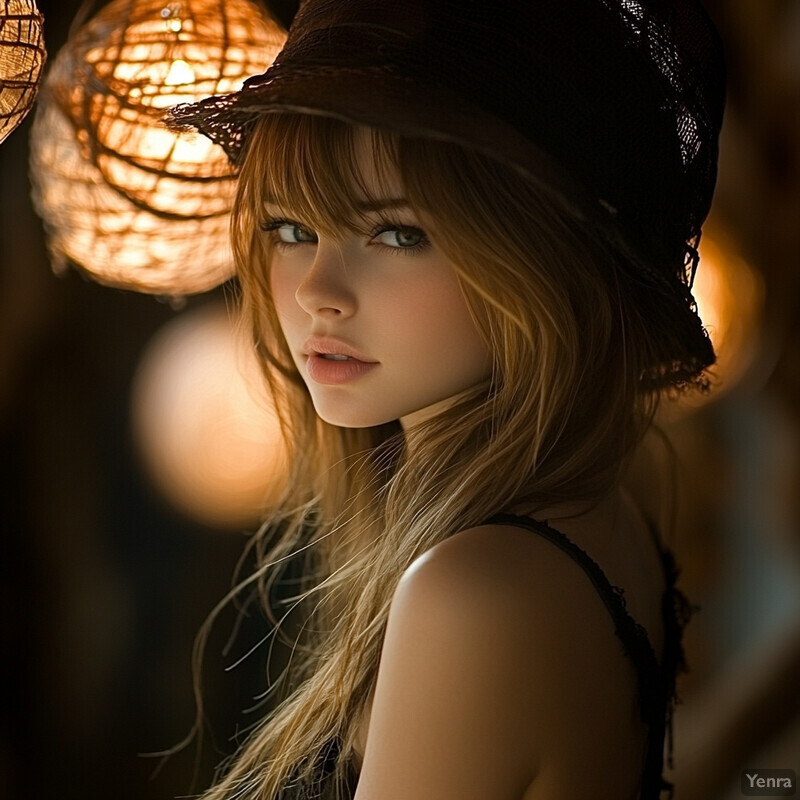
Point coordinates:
[[131, 202], [22, 57], [730, 299], [117, 242], [204, 423]]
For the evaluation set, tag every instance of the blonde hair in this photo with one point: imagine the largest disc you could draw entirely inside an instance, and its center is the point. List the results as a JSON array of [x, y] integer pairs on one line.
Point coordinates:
[[553, 300]]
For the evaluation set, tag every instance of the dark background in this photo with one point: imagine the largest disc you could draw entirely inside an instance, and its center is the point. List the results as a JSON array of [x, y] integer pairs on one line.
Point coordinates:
[[104, 585]]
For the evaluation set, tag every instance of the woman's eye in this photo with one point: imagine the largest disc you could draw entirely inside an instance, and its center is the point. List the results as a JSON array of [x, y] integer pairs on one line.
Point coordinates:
[[401, 238], [289, 232], [296, 234]]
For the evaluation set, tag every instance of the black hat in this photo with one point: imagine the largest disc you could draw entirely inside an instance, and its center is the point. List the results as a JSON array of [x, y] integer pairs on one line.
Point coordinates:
[[615, 105]]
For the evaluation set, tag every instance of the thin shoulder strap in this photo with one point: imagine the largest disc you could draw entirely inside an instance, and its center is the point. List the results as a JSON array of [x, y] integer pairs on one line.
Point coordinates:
[[656, 682], [633, 636]]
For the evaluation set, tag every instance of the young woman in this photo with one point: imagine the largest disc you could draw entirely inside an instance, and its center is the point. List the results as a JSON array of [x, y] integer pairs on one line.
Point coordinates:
[[465, 235]]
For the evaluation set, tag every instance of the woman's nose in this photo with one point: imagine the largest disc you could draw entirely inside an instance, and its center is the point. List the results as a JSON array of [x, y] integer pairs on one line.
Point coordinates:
[[325, 289]]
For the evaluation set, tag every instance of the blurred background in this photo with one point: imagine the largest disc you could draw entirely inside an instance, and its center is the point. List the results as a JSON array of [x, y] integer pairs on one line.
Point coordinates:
[[116, 547]]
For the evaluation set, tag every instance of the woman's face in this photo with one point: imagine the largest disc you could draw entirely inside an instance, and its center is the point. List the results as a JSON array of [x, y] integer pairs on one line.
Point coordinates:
[[376, 321]]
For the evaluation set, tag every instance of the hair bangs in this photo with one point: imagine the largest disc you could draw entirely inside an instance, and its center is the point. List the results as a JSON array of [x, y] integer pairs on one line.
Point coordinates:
[[315, 171]]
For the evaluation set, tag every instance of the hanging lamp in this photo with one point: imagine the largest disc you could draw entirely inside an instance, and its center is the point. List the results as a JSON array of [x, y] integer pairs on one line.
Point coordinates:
[[128, 201], [22, 57]]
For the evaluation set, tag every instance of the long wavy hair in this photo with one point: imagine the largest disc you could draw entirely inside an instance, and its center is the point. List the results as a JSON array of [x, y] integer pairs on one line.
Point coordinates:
[[558, 306]]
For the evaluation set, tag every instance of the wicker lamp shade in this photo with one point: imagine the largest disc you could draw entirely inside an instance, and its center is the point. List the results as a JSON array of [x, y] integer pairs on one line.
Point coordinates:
[[132, 203], [22, 56]]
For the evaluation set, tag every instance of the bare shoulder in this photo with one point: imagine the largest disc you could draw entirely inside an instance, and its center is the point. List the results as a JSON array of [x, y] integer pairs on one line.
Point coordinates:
[[496, 679], [478, 573], [486, 563]]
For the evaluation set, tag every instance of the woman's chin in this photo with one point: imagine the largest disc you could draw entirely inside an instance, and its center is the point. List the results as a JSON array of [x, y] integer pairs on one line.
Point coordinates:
[[352, 417]]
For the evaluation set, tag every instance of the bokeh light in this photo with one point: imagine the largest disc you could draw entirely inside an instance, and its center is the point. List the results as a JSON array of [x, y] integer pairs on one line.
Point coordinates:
[[730, 300], [204, 423]]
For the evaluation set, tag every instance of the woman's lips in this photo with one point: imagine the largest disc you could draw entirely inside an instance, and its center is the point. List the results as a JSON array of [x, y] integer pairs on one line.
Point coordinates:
[[336, 370], [331, 361]]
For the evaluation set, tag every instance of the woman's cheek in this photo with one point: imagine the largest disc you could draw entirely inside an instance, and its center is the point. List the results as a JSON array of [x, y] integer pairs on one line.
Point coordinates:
[[283, 285]]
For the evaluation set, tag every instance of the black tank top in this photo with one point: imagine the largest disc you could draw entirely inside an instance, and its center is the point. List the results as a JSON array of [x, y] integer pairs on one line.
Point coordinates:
[[656, 680]]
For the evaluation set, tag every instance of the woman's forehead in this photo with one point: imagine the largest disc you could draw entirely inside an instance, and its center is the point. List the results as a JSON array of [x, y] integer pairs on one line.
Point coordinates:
[[377, 177], [332, 176]]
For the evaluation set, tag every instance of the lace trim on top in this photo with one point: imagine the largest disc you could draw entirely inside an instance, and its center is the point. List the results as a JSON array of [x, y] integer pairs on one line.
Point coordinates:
[[656, 682]]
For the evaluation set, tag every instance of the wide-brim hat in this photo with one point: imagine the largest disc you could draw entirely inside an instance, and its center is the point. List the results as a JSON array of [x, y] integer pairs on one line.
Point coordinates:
[[614, 105]]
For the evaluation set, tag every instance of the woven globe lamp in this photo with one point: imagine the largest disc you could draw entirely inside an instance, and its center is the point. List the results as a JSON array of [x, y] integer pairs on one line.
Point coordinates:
[[22, 57], [132, 203]]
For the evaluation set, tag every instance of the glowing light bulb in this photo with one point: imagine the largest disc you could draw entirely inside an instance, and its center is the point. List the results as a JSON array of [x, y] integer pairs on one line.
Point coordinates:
[[180, 74]]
